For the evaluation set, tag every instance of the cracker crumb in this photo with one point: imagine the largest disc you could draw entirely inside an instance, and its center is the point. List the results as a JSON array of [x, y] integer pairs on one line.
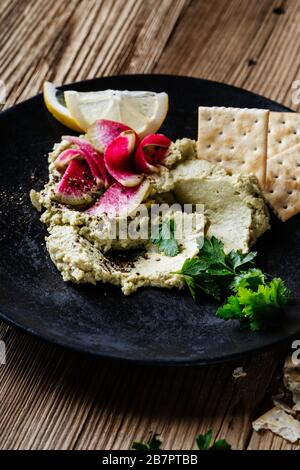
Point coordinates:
[[284, 418], [239, 373], [291, 379]]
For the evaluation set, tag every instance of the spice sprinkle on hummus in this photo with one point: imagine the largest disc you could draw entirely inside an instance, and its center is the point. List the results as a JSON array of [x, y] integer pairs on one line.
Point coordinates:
[[125, 205], [79, 239]]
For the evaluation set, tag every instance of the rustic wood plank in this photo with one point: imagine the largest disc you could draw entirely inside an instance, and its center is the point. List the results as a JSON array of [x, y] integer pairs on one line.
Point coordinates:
[[187, 402], [203, 45], [278, 64], [268, 441], [65, 400], [56, 399], [84, 40]]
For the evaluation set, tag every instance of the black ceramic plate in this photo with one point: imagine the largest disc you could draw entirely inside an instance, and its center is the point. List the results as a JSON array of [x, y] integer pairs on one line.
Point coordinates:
[[154, 325]]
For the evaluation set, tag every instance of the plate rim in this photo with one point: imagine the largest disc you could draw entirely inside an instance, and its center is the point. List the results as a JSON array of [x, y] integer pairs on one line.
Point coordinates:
[[110, 356], [145, 362], [148, 75]]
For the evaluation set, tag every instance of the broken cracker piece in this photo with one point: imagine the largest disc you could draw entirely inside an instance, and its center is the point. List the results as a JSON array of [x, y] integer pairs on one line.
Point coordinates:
[[234, 138], [282, 188], [279, 422], [291, 379], [284, 132]]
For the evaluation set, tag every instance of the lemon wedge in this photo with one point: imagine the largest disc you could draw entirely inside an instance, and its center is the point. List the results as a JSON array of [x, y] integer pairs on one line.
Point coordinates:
[[57, 108], [143, 111]]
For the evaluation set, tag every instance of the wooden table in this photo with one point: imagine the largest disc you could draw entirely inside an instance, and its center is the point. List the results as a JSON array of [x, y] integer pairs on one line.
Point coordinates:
[[53, 399]]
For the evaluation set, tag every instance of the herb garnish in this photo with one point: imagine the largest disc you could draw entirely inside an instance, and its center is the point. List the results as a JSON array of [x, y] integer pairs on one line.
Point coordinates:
[[152, 444], [164, 238], [256, 306], [254, 301], [203, 442], [212, 270]]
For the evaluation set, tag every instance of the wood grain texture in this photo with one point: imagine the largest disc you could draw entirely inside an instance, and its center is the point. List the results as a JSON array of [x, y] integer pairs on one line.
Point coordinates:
[[54, 399]]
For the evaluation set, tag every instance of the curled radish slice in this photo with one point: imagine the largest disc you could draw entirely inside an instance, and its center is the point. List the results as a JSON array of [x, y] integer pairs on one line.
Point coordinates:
[[151, 151], [77, 186], [118, 158], [93, 158], [66, 156], [104, 131]]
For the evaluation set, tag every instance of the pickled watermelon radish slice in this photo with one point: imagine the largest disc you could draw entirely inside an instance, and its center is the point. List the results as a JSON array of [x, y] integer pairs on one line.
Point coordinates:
[[118, 158], [104, 131], [66, 156], [119, 201], [77, 186], [83, 144], [151, 151], [93, 157]]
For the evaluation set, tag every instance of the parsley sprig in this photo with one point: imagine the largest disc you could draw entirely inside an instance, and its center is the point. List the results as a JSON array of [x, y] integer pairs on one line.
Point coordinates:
[[203, 442], [212, 270], [254, 299], [164, 238], [153, 443], [257, 306]]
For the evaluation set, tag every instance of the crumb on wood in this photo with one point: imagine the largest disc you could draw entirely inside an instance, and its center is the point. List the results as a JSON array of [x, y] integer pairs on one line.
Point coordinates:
[[239, 373]]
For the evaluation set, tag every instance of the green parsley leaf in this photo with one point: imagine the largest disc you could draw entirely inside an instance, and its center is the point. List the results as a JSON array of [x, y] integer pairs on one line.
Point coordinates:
[[152, 444], [256, 303], [191, 285], [256, 309], [203, 442], [212, 270], [251, 279], [192, 267], [169, 247], [164, 238], [238, 259], [221, 444], [231, 310], [212, 252], [211, 285]]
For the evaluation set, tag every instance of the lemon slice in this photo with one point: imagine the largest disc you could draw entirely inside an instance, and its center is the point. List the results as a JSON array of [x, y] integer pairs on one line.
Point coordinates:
[[57, 108], [143, 111]]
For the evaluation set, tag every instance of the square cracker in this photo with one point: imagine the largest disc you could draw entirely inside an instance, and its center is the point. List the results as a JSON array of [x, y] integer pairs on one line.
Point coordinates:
[[284, 132], [234, 138], [282, 189]]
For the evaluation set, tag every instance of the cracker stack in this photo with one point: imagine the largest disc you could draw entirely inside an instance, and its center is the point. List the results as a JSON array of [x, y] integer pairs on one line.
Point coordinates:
[[284, 132], [235, 138], [256, 141], [282, 188]]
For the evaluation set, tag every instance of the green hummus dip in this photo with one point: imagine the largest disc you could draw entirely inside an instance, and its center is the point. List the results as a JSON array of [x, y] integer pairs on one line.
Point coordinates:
[[84, 251]]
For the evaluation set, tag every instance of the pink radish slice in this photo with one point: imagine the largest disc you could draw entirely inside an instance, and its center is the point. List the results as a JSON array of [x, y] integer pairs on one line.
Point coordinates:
[[142, 163], [66, 156], [93, 157], [119, 201], [151, 151], [118, 158], [83, 144], [77, 186], [103, 132]]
